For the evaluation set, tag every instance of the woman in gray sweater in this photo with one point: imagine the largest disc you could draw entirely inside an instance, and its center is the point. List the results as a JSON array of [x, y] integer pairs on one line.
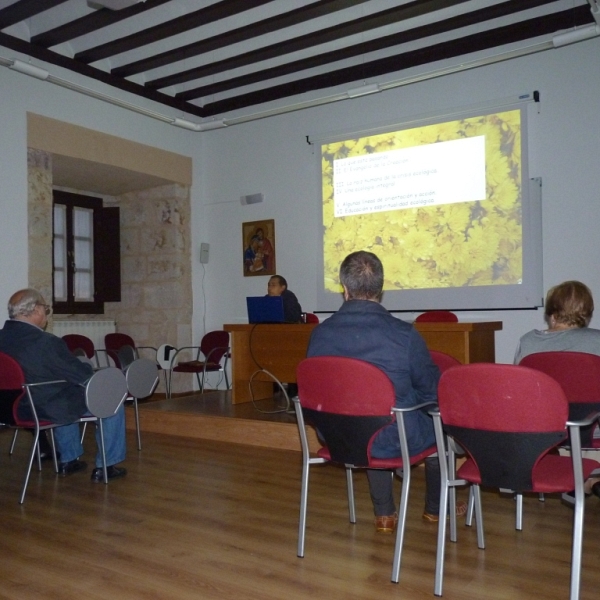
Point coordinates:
[[568, 312]]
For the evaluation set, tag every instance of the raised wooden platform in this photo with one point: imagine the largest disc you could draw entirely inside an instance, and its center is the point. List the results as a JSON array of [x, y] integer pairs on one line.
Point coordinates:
[[212, 416]]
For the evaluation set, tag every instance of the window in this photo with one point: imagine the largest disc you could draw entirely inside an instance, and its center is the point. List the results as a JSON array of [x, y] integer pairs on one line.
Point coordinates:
[[86, 255]]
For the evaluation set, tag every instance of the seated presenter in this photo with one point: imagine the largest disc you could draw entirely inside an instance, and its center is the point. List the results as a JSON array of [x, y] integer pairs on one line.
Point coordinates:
[[45, 357], [292, 312], [365, 330], [568, 311]]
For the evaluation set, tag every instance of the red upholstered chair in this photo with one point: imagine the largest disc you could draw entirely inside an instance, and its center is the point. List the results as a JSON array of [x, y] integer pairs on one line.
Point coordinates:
[[443, 361], [82, 345], [13, 391], [579, 376], [311, 318], [348, 401], [114, 343], [437, 316], [508, 418], [211, 356]]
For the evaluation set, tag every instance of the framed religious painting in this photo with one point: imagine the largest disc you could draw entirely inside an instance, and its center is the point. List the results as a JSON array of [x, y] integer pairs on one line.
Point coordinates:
[[258, 239]]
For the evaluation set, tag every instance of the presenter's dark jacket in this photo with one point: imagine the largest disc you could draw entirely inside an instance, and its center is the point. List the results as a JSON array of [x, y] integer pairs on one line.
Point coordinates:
[[45, 357], [366, 330], [292, 312]]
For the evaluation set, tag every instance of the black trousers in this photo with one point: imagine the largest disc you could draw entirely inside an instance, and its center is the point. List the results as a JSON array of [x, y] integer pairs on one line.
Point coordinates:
[[381, 488]]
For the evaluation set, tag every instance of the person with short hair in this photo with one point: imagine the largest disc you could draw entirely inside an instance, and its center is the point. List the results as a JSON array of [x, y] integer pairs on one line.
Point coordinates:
[[568, 310], [46, 357], [277, 286], [362, 328]]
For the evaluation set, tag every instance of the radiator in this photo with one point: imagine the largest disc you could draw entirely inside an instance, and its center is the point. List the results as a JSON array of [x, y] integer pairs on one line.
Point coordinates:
[[95, 330]]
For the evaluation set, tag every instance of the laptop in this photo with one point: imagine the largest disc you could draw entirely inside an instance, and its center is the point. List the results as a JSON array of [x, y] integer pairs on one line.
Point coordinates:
[[265, 309]]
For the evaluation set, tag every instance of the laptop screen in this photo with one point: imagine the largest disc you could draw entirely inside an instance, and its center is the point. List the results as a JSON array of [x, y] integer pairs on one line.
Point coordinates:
[[265, 309]]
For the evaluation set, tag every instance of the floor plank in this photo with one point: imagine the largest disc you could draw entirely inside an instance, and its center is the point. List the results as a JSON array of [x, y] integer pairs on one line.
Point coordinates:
[[199, 519]]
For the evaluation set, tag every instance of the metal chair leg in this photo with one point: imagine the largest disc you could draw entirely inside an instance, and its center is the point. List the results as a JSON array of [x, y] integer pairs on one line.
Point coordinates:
[[401, 523], [350, 488], [137, 423], [103, 450], [14, 441]]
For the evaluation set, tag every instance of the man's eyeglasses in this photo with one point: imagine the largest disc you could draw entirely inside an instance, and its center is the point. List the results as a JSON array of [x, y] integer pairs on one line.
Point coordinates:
[[47, 308]]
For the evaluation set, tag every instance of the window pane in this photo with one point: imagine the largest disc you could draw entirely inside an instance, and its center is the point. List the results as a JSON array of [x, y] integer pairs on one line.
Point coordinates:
[[60, 220], [83, 222], [83, 250], [60, 286], [83, 254], [83, 287]]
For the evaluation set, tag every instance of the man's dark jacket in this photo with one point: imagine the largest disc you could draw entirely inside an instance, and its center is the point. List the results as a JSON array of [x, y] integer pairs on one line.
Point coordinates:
[[45, 357], [366, 330]]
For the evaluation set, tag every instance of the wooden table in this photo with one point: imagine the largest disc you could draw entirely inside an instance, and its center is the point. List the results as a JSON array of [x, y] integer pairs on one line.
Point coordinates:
[[279, 348], [467, 342]]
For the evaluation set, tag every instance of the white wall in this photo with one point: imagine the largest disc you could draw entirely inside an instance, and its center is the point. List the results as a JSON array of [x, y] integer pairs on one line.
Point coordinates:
[[272, 156], [20, 94]]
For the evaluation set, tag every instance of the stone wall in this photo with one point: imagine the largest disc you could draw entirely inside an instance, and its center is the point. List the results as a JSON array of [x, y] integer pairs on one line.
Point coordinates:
[[156, 299], [156, 282], [39, 226]]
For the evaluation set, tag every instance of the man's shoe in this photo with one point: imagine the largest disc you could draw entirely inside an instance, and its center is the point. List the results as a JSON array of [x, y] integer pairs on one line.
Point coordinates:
[[112, 472], [386, 523], [73, 466], [461, 510]]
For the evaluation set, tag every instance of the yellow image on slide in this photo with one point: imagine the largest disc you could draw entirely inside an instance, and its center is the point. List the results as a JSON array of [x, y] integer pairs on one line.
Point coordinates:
[[471, 243]]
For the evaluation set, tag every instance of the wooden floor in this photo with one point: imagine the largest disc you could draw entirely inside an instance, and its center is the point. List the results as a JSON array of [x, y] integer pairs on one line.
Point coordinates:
[[268, 423], [198, 519]]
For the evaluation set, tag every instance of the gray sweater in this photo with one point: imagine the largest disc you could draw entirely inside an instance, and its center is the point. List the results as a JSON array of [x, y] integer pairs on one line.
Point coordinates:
[[572, 340]]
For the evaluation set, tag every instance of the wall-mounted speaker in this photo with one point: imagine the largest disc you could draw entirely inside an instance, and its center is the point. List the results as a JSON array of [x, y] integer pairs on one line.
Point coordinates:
[[204, 248], [252, 199]]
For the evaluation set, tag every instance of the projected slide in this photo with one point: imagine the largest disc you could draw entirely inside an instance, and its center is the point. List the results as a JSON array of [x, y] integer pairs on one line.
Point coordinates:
[[440, 204]]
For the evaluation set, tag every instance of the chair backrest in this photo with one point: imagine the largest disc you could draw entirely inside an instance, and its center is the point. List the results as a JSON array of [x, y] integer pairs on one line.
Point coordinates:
[[443, 361], [11, 388], [579, 376], [214, 345], [577, 372], [113, 342], [506, 417], [311, 318], [127, 355], [348, 401], [77, 342], [164, 354], [437, 316], [142, 377], [105, 392]]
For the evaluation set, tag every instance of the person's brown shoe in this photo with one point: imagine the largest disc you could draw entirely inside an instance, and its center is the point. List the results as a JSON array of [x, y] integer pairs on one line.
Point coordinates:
[[461, 509], [386, 523]]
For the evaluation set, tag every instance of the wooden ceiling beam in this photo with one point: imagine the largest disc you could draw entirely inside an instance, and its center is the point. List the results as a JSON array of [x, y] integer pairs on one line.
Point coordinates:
[[91, 22], [24, 9], [209, 14], [492, 38], [315, 38], [403, 37], [253, 30]]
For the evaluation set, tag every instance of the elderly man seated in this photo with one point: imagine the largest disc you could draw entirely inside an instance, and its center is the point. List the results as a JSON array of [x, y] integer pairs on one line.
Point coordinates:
[[45, 357]]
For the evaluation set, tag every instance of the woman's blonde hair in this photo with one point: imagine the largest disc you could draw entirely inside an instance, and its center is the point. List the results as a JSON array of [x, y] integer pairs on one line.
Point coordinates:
[[570, 303]]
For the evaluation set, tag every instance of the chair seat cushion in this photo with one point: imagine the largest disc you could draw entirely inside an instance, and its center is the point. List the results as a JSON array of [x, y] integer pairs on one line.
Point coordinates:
[[385, 463], [192, 366], [552, 474]]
